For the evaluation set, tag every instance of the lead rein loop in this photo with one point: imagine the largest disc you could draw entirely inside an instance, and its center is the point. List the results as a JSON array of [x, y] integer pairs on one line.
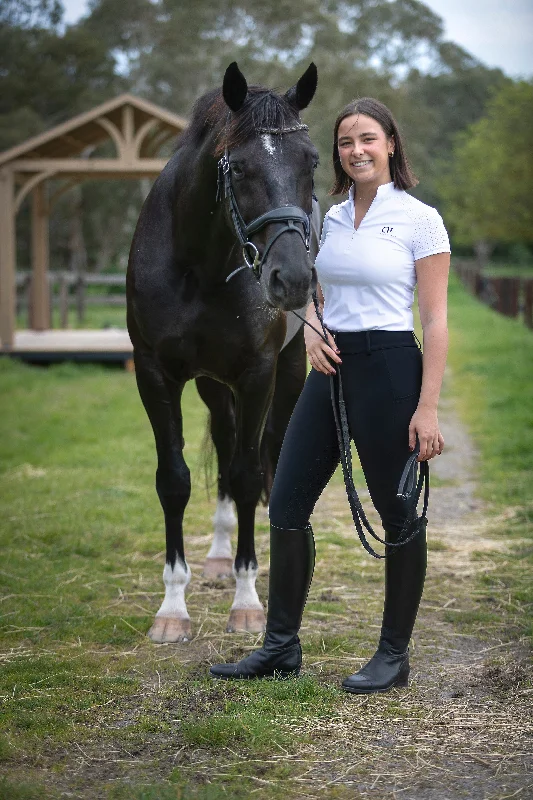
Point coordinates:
[[408, 489]]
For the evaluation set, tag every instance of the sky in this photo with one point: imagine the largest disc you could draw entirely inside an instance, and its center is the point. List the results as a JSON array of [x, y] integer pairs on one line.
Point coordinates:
[[498, 32]]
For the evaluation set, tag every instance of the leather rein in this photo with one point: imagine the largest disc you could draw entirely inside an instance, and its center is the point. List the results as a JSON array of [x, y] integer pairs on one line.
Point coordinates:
[[289, 215], [409, 487]]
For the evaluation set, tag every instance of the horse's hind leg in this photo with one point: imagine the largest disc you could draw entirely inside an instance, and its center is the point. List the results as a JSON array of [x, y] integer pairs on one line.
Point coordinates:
[[219, 400], [161, 400]]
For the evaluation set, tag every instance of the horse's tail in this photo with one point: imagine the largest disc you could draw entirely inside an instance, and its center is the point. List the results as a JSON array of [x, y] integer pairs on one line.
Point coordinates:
[[207, 458], [268, 467]]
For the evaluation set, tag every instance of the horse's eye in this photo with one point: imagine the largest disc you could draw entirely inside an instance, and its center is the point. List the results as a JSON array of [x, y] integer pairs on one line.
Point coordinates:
[[315, 165], [237, 171]]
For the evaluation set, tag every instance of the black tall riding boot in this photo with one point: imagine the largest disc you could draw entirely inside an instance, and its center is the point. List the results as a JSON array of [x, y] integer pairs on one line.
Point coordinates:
[[292, 560], [405, 571]]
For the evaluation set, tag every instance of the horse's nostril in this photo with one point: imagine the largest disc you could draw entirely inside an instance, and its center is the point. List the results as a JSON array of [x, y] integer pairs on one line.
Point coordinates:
[[277, 285]]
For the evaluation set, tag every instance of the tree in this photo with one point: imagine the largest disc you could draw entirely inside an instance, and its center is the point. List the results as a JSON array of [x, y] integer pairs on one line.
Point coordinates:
[[487, 192], [171, 52]]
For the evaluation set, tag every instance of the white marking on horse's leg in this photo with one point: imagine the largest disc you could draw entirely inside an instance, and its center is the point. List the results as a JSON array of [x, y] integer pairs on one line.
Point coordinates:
[[219, 561], [245, 591], [172, 622], [224, 521], [266, 138], [246, 612]]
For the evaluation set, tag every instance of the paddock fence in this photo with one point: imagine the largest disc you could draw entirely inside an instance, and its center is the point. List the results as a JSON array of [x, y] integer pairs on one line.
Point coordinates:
[[511, 296], [72, 292]]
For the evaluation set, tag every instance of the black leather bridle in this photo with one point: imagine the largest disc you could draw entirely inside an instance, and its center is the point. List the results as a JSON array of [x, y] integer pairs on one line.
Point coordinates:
[[289, 215]]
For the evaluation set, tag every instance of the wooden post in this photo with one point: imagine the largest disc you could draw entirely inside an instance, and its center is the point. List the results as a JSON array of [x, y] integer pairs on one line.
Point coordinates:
[[128, 134], [80, 297], [63, 301], [528, 303], [40, 296], [27, 296], [509, 296], [7, 259]]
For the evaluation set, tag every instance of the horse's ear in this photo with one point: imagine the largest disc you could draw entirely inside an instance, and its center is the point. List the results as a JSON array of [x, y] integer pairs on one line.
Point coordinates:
[[303, 92], [234, 87]]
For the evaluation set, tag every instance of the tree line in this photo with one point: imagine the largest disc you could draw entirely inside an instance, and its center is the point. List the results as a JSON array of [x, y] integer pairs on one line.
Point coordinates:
[[170, 52]]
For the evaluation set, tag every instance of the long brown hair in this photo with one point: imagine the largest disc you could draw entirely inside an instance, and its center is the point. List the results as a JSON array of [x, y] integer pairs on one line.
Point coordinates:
[[401, 173]]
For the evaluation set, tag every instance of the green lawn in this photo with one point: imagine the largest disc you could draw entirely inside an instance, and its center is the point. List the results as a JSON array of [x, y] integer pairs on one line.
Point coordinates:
[[492, 361]]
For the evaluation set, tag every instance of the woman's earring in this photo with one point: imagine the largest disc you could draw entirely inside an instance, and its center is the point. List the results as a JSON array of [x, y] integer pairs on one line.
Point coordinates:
[[391, 155]]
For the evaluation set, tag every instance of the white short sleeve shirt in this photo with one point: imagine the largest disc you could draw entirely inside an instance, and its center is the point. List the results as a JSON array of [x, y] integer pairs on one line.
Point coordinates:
[[368, 275]]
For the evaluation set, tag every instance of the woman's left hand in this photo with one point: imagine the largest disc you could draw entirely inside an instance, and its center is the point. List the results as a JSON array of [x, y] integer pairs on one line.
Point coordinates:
[[424, 422]]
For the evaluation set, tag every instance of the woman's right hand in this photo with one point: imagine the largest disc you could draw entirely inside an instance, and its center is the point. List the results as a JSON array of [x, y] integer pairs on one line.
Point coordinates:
[[318, 351]]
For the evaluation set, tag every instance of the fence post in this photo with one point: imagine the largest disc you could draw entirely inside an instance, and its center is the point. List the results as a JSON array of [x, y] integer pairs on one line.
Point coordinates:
[[528, 303], [508, 299], [80, 298], [26, 292], [63, 301]]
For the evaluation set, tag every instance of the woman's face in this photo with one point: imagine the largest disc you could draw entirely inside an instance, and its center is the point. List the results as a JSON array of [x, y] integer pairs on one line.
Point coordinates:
[[364, 150]]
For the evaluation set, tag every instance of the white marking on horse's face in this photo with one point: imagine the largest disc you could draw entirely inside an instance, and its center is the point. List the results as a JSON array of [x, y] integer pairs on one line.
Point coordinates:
[[245, 592], [225, 521], [268, 144], [175, 580]]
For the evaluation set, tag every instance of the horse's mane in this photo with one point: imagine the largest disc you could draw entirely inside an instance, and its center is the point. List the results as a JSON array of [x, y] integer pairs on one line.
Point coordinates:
[[263, 108]]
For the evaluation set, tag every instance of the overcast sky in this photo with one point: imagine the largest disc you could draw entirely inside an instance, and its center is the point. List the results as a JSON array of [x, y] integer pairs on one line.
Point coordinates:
[[498, 32]]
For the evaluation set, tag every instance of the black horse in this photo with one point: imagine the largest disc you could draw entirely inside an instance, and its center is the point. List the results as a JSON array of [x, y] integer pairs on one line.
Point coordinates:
[[194, 311]]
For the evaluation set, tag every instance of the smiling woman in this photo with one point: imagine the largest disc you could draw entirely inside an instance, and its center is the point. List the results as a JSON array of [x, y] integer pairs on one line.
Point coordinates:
[[368, 148]]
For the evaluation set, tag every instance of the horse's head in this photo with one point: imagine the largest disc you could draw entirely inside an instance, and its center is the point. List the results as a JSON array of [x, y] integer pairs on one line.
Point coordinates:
[[269, 182]]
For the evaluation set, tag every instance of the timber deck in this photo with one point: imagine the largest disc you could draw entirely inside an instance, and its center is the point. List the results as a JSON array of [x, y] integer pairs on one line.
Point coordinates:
[[110, 344]]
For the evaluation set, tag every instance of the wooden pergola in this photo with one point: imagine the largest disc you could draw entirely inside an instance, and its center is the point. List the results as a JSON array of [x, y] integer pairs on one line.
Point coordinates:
[[138, 130]]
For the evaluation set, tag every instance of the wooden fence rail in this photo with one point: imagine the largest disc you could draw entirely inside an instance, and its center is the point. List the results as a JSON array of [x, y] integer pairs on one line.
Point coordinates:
[[68, 290], [510, 296]]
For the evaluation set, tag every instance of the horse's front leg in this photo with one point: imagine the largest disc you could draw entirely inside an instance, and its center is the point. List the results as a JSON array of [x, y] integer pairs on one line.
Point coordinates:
[[253, 396], [162, 401]]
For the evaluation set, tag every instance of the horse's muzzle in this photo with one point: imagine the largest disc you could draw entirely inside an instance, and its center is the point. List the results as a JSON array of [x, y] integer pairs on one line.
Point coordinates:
[[288, 291]]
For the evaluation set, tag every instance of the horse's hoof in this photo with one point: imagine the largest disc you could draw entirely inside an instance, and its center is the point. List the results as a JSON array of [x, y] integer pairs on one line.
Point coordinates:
[[218, 568], [246, 619], [170, 629]]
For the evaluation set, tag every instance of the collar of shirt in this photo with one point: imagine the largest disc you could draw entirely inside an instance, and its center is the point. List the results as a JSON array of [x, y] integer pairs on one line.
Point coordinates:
[[385, 190]]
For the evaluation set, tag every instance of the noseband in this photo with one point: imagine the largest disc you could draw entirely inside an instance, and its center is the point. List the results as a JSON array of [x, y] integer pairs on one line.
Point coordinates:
[[289, 215]]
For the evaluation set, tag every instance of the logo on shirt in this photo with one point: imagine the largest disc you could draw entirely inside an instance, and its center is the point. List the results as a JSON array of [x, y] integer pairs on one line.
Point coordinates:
[[386, 229]]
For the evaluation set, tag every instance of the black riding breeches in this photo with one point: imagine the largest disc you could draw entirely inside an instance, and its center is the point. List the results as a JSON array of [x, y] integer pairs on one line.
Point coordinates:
[[382, 375]]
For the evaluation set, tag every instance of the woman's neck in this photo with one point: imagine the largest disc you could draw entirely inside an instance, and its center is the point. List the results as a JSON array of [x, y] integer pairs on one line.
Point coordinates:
[[365, 193]]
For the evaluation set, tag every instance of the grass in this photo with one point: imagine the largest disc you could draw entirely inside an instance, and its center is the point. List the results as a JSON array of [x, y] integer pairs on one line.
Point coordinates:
[[492, 361], [91, 709]]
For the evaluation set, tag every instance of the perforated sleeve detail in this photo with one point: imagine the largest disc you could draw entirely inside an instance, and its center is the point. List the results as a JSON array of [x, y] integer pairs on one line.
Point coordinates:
[[429, 235]]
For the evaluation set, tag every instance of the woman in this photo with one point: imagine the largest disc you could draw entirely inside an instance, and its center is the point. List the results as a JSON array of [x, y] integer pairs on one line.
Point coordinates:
[[374, 248]]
